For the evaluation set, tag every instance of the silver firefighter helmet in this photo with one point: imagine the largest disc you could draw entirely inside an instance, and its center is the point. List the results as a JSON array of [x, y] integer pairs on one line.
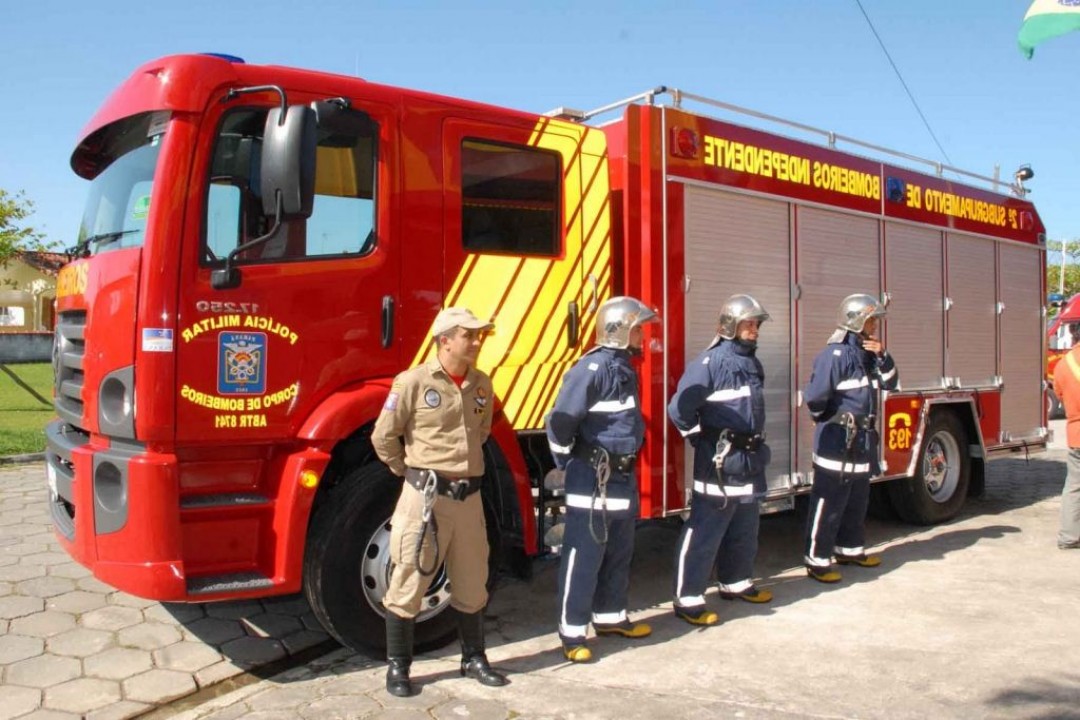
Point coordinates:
[[856, 309], [736, 309], [617, 317]]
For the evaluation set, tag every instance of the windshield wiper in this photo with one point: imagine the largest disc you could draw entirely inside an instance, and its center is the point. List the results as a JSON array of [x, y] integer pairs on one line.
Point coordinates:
[[82, 248]]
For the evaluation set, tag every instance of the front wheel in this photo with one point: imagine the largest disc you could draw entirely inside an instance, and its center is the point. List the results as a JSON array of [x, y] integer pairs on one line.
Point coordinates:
[[939, 487], [347, 565]]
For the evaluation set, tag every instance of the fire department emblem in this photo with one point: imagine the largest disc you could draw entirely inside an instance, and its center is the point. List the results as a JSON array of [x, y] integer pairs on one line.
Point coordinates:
[[432, 398], [241, 363], [481, 397]]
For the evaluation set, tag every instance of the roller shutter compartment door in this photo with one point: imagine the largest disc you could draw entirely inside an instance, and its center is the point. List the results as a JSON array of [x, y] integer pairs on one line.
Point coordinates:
[[914, 279], [740, 244], [836, 255], [1021, 340], [971, 350]]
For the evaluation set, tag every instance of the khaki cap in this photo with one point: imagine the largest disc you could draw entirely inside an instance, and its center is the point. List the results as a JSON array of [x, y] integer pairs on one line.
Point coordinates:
[[453, 317]]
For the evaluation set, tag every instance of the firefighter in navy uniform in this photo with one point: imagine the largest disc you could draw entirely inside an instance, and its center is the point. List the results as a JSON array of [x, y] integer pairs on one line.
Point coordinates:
[[842, 397], [431, 432], [719, 406], [595, 430]]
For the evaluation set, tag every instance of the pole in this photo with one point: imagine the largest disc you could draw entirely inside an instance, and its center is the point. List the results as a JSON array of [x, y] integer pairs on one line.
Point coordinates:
[[1061, 279]]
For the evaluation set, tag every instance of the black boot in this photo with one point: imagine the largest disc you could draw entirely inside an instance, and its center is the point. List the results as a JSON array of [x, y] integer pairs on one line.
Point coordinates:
[[474, 662], [399, 655]]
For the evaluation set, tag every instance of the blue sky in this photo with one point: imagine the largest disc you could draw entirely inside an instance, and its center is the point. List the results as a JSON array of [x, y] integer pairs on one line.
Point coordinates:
[[814, 62]]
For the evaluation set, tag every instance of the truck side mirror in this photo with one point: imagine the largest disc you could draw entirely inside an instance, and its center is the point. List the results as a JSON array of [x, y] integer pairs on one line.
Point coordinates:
[[288, 162], [287, 179]]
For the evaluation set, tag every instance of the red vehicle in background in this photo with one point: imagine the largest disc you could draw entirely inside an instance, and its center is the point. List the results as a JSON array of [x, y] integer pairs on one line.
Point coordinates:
[[1058, 342], [264, 248]]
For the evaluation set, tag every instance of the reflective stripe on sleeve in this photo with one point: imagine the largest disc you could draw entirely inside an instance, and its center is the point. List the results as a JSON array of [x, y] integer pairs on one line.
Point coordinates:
[[612, 406], [729, 394], [889, 375], [853, 383], [839, 466], [587, 501], [691, 431], [561, 449]]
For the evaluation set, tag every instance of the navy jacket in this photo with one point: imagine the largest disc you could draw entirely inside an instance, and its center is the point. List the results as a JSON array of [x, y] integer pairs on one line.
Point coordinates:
[[598, 404], [846, 378], [722, 388]]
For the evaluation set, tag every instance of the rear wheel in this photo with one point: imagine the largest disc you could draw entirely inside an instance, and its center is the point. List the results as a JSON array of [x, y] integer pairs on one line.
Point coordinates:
[[1054, 409], [942, 474], [347, 565]]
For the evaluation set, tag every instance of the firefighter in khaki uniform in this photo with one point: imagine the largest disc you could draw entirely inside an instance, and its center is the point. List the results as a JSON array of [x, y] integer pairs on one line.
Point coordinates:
[[594, 431], [431, 432]]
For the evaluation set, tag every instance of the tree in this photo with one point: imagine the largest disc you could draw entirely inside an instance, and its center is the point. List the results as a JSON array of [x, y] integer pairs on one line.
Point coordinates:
[[1072, 268], [15, 236]]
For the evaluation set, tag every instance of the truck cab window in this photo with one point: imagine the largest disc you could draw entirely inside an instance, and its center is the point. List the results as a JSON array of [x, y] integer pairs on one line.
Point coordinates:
[[343, 220], [509, 199]]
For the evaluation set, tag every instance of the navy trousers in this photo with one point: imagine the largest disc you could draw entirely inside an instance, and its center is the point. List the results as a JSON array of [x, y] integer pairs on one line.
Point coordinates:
[[724, 535], [594, 577], [837, 516]]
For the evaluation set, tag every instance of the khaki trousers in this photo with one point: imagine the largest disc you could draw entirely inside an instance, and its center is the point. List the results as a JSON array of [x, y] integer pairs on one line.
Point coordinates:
[[463, 546]]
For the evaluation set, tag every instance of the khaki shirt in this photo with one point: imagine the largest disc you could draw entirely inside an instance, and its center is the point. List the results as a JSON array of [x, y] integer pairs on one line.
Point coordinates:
[[444, 428]]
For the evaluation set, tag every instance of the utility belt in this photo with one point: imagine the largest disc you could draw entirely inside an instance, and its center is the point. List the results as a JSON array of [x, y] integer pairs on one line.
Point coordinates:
[[747, 442], [860, 422], [594, 455], [453, 488]]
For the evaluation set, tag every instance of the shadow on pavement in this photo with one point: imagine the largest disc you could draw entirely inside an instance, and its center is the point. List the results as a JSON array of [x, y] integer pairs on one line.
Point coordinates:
[[1041, 698]]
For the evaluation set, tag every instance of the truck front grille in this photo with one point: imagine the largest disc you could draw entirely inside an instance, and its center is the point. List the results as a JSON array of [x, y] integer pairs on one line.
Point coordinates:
[[69, 348]]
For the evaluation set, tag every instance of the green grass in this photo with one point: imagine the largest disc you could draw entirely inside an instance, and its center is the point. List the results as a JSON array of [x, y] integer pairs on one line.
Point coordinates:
[[22, 416]]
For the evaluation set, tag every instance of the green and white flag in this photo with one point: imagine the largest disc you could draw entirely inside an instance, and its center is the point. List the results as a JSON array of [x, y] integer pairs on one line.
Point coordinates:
[[1046, 19]]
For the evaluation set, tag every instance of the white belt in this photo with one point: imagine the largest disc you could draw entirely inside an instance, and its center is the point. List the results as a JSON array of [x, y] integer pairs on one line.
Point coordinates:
[[840, 466], [587, 501], [700, 486]]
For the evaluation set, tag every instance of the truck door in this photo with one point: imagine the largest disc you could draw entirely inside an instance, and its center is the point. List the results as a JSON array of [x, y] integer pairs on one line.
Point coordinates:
[[308, 316], [527, 244]]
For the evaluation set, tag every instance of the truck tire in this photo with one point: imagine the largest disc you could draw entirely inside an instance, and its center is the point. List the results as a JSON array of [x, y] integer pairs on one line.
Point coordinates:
[[939, 487], [1054, 409], [347, 565]]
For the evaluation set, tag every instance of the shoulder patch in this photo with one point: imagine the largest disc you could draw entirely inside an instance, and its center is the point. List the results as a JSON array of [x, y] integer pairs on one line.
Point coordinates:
[[391, 402], [593, 366], [705, 360], [836, 353]]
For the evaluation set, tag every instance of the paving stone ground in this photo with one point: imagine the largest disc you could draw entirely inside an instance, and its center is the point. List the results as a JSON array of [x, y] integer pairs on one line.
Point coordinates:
[[71, 646]]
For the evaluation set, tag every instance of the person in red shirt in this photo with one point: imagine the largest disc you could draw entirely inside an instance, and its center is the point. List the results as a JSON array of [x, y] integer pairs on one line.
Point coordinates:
[[1067, 387]]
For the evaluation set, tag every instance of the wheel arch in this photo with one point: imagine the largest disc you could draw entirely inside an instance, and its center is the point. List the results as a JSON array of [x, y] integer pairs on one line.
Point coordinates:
[[965, 411]]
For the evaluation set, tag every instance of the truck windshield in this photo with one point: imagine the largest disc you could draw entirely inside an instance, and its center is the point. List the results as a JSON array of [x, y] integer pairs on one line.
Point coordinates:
[[119, 160]]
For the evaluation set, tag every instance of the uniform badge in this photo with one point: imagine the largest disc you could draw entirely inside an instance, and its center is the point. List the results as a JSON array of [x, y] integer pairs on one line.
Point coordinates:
[[391, 402], [481, 397], [433, 398]]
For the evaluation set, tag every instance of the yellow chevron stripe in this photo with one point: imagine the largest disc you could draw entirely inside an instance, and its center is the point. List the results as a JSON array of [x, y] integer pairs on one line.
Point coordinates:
[[528, 297]]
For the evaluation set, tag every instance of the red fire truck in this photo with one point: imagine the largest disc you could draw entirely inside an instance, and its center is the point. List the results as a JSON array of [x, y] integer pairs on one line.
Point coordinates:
[[264, 248]]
